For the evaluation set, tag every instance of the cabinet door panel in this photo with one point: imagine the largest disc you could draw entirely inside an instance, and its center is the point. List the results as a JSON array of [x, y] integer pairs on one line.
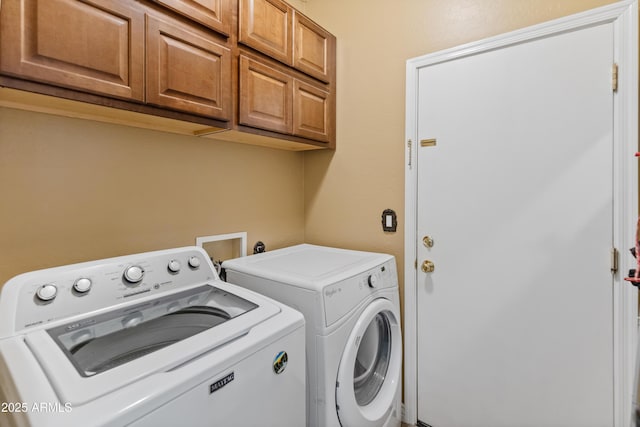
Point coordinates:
[[96, 46], [215, 14], [266, 97], [266, 25], [187, 70], [312, 112], [315, 49]]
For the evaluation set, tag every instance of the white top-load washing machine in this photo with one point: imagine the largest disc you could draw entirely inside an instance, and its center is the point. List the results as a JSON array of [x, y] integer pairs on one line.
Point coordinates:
[[354, 346], [153, 339]]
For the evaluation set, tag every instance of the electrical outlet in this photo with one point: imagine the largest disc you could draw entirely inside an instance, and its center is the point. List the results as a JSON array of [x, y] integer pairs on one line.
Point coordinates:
[[389, 220]]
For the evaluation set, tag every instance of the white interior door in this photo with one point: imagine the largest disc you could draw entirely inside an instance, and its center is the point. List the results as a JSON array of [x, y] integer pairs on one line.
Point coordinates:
[[515, 325]]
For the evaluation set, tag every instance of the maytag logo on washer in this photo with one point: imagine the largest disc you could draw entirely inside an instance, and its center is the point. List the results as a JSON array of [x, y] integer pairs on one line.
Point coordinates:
[[221, 383], [280, 362]]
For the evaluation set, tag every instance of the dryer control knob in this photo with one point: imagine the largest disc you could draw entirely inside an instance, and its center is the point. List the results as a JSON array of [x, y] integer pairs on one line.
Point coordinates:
[[133, 274], [194, 262], [47, 292], [82, 285], [372, 281]]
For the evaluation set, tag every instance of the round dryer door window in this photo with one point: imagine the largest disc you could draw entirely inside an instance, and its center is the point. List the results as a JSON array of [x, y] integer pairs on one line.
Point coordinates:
[[369, 373]]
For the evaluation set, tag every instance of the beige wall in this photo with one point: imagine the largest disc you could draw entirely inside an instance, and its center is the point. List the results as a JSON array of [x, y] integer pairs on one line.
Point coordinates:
[[75, 190], [346, 191]]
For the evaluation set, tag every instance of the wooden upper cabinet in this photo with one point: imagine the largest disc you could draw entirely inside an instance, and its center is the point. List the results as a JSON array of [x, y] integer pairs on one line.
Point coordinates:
[[275, 99], [254, 66], [266, 97], [282, 33], [215, 14], [280, 97], [96, 47], [313, 112], [314, 48], [266, 25], [187, 69]]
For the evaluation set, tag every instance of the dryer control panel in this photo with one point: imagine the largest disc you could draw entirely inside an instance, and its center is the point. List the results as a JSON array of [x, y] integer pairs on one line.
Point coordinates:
[[341, 297], [45, 296]]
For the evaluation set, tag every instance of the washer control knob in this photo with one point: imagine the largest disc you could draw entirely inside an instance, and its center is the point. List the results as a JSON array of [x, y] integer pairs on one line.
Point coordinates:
[[372, 281], [133, 274], [47, 292], [194, 262], [174, 266], [82, 285]]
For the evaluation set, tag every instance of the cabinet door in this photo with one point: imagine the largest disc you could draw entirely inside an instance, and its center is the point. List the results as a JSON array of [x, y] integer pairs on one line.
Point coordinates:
[[312, 117], [95, 46], [215, 14], [266, 97], [187, 69], [314, 49], [266, 25]]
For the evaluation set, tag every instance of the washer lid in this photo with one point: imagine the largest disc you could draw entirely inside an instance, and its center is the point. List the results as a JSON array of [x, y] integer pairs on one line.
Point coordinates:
[[96, 355], [99, 343], [308, 266]]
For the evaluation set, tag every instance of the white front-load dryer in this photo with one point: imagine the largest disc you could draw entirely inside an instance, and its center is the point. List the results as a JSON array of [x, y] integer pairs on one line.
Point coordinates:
[[351, 307]]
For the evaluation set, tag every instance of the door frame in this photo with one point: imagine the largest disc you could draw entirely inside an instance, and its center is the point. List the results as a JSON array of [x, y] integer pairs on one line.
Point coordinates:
[[624, 16]]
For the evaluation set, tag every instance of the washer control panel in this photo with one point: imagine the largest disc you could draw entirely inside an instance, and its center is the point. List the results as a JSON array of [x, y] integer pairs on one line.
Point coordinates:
[[45, 296]]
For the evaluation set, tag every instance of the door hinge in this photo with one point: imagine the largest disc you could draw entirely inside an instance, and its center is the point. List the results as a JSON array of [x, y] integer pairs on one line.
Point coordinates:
[[614, 260], [409, 144], [614, 77]]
